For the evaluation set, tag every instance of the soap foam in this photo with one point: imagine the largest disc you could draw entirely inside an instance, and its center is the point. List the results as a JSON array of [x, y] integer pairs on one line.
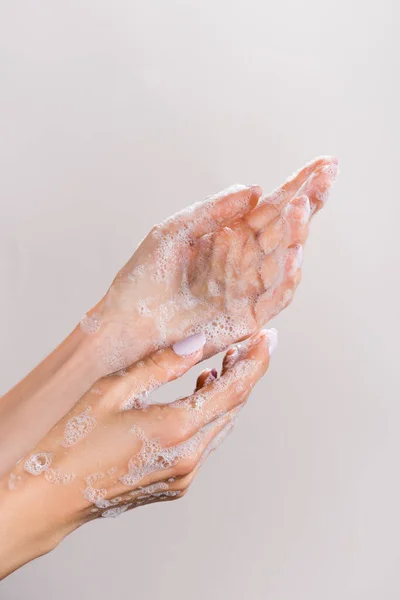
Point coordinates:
[[91, 324], [38, 463], [77, 428]]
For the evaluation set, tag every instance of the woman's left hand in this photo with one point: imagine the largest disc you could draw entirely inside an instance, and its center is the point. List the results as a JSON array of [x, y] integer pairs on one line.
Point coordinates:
[[115, 451]]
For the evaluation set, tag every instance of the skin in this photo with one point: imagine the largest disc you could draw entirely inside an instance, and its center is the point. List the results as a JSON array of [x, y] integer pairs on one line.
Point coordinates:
[[233, 260], [37, 513]]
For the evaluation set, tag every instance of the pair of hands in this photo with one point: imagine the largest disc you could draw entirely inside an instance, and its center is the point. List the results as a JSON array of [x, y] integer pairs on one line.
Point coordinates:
[[214, 273], [106, 456]]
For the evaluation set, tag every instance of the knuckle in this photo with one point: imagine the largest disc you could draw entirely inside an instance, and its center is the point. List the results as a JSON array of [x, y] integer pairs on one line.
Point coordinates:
[[156, 364], [275, 210], [177, 426]]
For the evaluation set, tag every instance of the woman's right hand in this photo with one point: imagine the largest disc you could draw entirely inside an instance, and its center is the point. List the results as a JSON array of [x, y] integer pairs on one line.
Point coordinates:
[[106, 457]]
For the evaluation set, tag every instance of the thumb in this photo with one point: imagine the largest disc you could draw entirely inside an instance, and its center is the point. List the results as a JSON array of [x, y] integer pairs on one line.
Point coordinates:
[[161, 367]]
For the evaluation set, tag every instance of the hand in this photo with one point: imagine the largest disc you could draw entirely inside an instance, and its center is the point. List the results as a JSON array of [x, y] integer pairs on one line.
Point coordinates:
[[223, 267], [104, 458]]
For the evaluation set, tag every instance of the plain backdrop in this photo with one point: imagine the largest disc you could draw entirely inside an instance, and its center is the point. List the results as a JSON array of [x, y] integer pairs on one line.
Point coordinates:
[[114, 115]]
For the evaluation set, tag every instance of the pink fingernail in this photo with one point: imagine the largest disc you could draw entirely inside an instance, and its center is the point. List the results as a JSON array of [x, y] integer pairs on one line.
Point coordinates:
[[297, 260], [231, 357], [190, 345], [307, 205], [331, 170], [272, 335], [272, 338], [212, 376]]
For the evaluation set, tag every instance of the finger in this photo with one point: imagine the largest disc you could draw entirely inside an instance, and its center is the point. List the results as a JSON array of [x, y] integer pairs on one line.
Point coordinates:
[[297, 216], [231, 389], [319, 184], [229, 359], [291, 227], [233, 354], [271, 205], [293, 184], [206, 377], [176, 486], [272, 235], [290, 263], [280, 264], [273, 301], [271, 268], [177, 462], [223, 254], [218, 210], [157, 369], [218, 432], [214, 431], [170, 467], [194, 419]]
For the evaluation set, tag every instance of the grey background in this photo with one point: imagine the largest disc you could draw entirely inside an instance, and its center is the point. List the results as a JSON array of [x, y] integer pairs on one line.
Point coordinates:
[[117, 114]]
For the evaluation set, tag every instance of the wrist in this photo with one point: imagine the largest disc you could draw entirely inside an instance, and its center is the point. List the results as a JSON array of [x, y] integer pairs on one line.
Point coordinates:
[[36, 403], [29, 526], [117, 340]]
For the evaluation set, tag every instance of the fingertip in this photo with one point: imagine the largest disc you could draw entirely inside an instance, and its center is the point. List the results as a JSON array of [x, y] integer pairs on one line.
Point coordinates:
[[272, 338], [262, 341], [298, 209], [256, 193], [330, 169], [304, 200], [329, 158], [270, 335], [206, 376], [323, 159], [295, 255], [211, 376], [230, 358]]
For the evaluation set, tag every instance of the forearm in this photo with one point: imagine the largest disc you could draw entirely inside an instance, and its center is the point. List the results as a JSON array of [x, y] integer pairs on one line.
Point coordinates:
[[30, 525], [32, 407]]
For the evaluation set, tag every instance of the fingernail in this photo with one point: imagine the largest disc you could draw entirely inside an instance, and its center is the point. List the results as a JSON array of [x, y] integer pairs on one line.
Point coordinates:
[[305, 209], [298, 260], [307, 205], [300, 206], [211, 376], [332, 170], [190, 345], [231, 351], [231, 357], [272, 335], [272, 338]]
